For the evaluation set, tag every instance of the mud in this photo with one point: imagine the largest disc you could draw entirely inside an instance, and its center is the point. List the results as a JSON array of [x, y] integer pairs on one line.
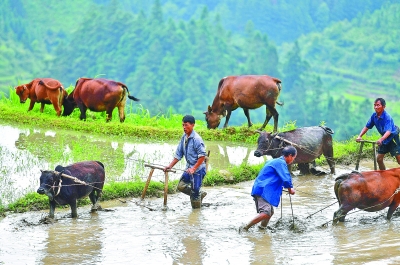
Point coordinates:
[[132, 231]]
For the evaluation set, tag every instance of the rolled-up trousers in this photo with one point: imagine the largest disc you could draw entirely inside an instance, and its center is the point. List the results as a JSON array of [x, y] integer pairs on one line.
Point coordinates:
[[191, 184]]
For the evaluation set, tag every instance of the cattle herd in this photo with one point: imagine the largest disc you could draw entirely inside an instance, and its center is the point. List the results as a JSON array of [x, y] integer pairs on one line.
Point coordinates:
[[96, 94], [246, 92]]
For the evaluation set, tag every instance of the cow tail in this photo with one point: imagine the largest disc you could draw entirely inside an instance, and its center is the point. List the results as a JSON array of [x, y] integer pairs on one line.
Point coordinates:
[[129, 96], [57, 86], [279, 85]]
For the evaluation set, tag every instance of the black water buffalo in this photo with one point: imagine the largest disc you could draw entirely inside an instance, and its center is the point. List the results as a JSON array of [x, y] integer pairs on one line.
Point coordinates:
[[370, 191], [67, 184], [310, 143]]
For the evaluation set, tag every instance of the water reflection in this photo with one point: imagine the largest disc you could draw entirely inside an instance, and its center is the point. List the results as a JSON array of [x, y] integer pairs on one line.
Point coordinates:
[[25, 151]]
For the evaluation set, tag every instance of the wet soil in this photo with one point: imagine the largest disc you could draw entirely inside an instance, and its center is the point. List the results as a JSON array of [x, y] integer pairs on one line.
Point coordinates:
[[131, 231]]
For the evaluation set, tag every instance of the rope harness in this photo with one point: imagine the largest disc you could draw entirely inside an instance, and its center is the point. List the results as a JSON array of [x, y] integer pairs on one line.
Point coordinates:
[[281, 146], [78, 181]]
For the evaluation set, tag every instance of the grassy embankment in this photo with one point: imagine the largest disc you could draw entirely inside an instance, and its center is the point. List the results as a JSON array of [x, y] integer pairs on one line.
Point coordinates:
[[142, 125]]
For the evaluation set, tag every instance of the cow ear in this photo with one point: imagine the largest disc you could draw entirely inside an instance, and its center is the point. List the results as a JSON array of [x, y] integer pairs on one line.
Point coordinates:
[[209, 109], [258, 131]]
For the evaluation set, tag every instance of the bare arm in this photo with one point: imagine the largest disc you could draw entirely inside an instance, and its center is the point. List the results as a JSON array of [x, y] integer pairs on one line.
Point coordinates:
[[386, 135], [363, 131], [172, 164]]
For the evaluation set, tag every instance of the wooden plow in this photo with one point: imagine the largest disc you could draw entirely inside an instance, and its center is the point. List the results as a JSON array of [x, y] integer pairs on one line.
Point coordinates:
[[153, 167], [360, 151]]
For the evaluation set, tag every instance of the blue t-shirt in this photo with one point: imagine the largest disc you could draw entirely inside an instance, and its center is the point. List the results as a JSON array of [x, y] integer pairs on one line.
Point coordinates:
[[192, 150], [383, 124], [269, 182]]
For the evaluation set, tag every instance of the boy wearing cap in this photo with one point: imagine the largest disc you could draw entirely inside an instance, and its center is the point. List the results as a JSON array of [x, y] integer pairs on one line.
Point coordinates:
[[191, 146]]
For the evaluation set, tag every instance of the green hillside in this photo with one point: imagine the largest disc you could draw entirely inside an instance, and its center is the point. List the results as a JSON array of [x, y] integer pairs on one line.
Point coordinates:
[[337, 56], [359, 57]]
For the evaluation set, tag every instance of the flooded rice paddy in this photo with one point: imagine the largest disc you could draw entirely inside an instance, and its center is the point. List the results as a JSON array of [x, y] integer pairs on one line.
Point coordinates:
[[143, 232]]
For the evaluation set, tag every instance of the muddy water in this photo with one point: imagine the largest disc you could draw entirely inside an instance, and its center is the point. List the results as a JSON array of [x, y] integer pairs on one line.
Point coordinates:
[[135, 232], [25, 151]]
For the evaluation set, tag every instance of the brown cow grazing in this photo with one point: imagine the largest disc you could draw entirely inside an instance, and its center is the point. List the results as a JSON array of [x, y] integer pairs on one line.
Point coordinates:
[[370, 191], [246, 92], [98, 95], [43, 90]]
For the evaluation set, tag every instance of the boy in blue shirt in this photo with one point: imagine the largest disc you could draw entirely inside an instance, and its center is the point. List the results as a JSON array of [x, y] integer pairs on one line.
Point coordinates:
[[389, 141], [267, 188]]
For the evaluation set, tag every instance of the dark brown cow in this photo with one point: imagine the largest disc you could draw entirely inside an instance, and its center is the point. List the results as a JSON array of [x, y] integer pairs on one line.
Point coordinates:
[[43, 90], [67, 184], [246, 92], [370, 191], [310, 142], [98, 95]]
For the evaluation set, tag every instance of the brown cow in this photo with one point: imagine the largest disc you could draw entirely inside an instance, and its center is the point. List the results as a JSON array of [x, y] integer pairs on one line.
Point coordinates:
[[246, 92], [43, 90], [370, 191], [98, 95]]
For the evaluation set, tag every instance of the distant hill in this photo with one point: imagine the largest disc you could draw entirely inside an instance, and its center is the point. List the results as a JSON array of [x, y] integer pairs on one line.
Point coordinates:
[[359, 57]]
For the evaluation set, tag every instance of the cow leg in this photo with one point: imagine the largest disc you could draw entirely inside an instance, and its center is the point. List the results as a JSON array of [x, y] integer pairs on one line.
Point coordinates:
[[31, 104], [109, 112], [121, 111], [52, 208], [276, 116], [228, 115], [340, 215], [328, 154], [392, 208], [94, 198], [83, 110], [270, 112], [74, 212], [41, 107], [247, 114], [304, 168], [56, 105]]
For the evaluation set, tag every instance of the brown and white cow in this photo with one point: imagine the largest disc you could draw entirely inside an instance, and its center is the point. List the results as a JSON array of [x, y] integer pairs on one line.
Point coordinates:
[[44, 91], [98, 95], [246, 92]]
